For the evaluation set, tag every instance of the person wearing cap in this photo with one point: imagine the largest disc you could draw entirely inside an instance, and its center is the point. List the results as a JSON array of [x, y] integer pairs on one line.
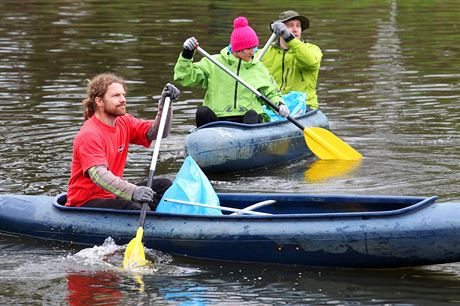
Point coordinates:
[[225, 98], [294, 63]]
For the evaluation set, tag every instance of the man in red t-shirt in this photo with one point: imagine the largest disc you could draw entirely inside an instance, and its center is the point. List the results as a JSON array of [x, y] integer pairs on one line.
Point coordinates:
[[100, 148]]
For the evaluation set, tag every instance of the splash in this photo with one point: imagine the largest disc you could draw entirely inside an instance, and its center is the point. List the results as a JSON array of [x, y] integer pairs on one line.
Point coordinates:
[[109, 255], [98, 255]]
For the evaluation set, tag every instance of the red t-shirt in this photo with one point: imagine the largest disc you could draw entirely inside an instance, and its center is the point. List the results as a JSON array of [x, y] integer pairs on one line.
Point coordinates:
[[100, 144]]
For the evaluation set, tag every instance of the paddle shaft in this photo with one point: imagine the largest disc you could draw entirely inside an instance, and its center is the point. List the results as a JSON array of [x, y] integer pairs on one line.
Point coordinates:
[[267, 45], [245, 84], [242, 211], [156, 151]]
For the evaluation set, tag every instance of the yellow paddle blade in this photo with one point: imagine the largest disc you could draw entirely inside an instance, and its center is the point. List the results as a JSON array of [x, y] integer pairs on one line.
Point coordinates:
[[326, 145], [134, 254]]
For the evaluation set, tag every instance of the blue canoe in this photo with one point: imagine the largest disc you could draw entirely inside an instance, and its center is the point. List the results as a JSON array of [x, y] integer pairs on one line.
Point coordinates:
[[227, 146], [302, 229]]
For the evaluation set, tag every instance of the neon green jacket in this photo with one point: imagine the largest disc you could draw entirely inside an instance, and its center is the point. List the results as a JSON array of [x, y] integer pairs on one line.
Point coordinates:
[[295, 69], [224, 95]]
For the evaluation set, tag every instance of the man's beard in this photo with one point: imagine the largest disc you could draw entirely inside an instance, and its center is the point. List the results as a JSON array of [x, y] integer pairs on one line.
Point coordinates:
[[116, 111]]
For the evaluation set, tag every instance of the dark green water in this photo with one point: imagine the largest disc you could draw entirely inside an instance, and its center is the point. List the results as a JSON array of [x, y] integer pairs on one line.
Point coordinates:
[[389, 84]]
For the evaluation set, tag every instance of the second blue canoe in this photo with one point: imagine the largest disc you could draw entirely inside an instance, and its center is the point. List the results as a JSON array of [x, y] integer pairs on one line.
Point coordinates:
[[224, 146]]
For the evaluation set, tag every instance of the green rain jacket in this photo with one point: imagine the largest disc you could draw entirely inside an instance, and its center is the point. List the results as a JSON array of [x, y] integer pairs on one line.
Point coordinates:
[[224, 95], [295, 69]]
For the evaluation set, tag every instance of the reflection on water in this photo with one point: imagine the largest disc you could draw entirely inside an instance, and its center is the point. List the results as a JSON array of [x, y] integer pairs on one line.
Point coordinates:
[[47, 273], [322, 170], [92, 288], [389, 84], [238, 284]]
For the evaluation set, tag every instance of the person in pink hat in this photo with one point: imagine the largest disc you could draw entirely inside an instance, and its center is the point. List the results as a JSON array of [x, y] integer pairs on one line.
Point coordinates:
[[225, 98]]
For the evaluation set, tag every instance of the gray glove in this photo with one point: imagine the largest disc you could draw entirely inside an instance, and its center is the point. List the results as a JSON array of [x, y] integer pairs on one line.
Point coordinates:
[[280, 29], [143, 194], [283, 111], [191, 44], [169, 91]]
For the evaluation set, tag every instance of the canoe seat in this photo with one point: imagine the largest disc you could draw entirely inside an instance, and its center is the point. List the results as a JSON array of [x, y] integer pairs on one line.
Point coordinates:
[[255, 206]]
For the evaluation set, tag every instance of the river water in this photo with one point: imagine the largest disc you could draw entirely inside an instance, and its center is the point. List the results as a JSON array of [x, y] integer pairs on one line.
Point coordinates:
[[389, 83]]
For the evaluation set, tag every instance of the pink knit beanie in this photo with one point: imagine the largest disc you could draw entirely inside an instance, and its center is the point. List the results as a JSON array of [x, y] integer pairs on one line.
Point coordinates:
[[243, 36]]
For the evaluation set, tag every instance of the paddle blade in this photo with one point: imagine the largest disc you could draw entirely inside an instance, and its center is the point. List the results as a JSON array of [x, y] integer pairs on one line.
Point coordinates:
[[326, 145], [134, 254]]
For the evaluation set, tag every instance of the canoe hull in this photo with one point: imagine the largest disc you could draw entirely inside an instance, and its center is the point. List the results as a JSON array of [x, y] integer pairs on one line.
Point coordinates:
[[416, 232], [226, 146]]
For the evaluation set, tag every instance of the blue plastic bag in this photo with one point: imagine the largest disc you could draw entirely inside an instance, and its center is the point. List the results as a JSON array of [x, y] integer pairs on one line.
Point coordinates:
[[295, 101], [190, 185]]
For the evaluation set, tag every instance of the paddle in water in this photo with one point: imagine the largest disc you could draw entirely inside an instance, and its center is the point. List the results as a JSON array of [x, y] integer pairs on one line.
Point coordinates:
[[323, 143], [134, 254]]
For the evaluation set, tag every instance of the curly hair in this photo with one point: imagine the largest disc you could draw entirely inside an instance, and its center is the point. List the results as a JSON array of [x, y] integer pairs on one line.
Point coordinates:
[[97, 87]]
